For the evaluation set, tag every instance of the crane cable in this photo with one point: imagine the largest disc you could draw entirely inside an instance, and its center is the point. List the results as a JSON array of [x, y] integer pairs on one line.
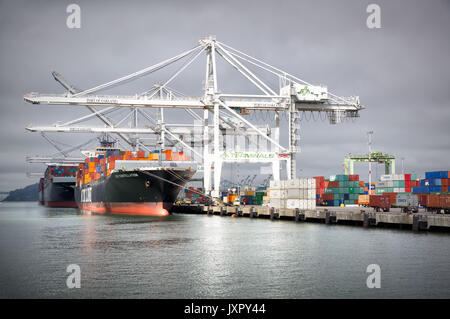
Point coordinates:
[[170, 182]]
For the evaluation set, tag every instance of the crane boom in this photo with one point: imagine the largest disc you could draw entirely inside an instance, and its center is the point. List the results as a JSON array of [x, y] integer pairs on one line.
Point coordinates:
[[58, 77], [292, 97]]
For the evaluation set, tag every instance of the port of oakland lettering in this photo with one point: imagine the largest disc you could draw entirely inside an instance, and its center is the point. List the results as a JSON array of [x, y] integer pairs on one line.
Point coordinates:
[[97, 100]]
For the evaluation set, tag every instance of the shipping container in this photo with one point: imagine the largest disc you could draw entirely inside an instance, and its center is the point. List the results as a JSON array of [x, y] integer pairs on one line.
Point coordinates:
[[380, 202], [408, 202]]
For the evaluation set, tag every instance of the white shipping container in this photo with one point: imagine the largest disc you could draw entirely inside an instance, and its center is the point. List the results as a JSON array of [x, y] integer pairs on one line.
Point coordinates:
[[275, 193], [311, 194], [396, 190], [277, 203], [293, 203], [293, 183], [303, 204], [382, 184], [386, 178], [390, 183], [311, 204], [301, 183], [275, 184], [295, 193]]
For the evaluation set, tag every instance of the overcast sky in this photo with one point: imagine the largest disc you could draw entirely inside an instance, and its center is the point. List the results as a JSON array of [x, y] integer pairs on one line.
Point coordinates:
[[401, 71]]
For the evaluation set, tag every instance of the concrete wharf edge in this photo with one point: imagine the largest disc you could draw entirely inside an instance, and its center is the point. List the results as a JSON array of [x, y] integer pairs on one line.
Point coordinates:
[[364, 216]]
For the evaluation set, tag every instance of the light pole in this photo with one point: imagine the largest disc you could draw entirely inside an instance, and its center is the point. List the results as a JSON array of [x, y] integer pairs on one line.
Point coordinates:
[[369, 143]]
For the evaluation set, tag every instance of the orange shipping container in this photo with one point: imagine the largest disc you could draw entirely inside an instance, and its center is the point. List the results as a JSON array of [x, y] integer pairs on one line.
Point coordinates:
[[363, 199]]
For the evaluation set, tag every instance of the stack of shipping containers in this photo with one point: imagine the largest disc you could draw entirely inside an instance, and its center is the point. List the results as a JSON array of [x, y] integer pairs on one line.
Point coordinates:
[[94, 168], [295, 193], [339, 190], [433, 191]]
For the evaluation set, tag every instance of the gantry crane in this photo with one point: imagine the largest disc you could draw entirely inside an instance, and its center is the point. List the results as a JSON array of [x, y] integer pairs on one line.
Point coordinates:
[[374, 156], [228, 110]]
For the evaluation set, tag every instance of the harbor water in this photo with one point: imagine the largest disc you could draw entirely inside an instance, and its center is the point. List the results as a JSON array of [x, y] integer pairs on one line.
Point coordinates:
[[201, 256]]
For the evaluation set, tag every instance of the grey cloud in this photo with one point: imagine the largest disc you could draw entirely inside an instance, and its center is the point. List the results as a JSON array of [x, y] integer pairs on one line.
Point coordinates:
[[401, 71]]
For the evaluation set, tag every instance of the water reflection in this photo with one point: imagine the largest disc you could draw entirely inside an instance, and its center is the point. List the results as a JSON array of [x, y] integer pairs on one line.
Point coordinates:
[[188, 256]]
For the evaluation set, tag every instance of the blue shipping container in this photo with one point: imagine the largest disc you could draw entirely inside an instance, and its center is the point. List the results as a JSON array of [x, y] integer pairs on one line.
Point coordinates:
[[421, 190], [436, 189], [435, 182], [438, 174]]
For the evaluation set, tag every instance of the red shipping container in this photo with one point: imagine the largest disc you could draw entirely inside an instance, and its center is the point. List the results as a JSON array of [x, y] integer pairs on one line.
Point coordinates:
[[445, 182], [353, 178], [407, 184], [444, 189], [407, 189], [407, 177], [380, 202], [423, 199], [319, 179], [444, 201], [432, 200], [333, 184], [328, 196], [392, 197]]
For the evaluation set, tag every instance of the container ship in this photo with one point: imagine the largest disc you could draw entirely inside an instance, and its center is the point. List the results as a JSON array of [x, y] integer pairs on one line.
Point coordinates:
[[133, 183], [56, 188]]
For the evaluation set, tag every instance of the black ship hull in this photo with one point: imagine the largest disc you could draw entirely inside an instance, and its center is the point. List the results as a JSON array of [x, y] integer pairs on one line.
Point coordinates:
[[58, 194], [134, 192]]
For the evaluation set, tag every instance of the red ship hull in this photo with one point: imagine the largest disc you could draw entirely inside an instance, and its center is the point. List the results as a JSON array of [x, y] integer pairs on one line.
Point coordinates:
[[128, 208]]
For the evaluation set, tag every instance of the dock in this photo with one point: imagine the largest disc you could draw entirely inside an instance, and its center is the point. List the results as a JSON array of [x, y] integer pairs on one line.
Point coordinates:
[[362, 216]]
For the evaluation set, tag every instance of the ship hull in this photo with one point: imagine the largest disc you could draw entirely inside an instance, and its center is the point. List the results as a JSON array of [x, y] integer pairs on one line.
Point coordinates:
[[58, 195], [146, 192]]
